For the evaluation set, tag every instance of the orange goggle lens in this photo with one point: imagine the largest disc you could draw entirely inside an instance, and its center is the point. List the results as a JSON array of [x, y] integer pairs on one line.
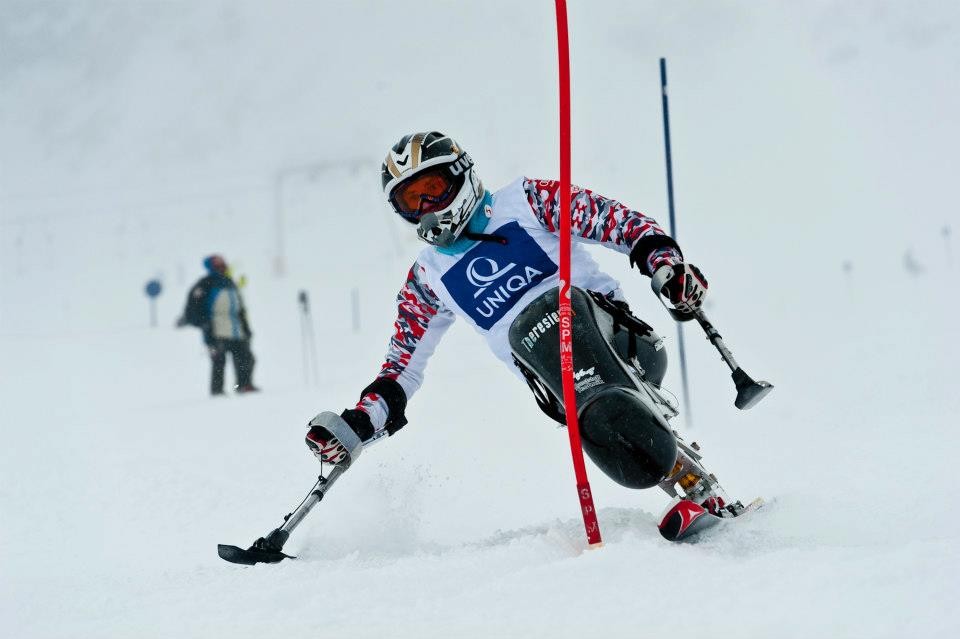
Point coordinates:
[[424, 193]]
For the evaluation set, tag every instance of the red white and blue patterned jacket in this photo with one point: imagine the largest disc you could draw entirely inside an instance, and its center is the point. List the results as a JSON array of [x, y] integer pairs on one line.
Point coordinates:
[[490, 284]]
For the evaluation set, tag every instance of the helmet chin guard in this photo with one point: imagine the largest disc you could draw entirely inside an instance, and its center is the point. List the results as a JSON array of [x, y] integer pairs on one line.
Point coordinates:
[[430, 230], [443, 160]]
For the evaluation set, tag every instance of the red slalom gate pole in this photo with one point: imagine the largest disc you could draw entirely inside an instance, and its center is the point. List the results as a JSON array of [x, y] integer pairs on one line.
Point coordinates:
[[566, 322]]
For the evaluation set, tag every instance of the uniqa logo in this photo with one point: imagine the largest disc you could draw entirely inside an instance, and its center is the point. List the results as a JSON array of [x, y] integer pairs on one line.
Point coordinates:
[[482, 281], [484, 273]]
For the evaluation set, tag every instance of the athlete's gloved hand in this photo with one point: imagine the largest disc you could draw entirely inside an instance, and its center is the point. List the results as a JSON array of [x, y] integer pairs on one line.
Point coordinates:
[[327, 448], [684, 285]]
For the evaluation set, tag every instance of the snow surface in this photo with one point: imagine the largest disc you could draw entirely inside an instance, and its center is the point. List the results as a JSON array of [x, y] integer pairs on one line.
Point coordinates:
[[136, 138]]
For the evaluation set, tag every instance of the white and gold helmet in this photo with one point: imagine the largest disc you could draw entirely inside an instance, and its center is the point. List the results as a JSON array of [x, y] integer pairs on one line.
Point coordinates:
[[430, 181]]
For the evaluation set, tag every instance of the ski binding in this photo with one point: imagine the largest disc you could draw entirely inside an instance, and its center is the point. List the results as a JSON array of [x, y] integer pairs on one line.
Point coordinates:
[[685, 520]]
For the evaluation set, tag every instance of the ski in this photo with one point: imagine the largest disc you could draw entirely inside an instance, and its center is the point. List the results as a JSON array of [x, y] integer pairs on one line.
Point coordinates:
[[685, 520]]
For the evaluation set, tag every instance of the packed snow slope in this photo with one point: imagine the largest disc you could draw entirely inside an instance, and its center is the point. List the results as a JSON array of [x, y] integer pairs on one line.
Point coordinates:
[[813, 149]]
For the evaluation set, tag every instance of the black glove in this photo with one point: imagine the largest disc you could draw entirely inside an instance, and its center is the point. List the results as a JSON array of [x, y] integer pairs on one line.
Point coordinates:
[[359, 422]]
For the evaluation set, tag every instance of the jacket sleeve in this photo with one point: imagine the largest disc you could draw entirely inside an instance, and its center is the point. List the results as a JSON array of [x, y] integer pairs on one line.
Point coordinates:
[[422, 319], [195, 312], [242, 316], [599, 220]]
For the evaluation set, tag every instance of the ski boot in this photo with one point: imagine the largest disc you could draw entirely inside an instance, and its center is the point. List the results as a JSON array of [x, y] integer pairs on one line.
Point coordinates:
[[246, 388], [700, 501]]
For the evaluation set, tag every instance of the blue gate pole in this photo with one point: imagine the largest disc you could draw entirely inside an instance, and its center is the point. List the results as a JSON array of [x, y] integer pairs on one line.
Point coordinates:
[[688, 416]]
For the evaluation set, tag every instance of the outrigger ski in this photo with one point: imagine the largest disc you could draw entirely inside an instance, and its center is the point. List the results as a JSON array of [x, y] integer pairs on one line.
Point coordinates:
[[269, 549], [685, 520], [250, 556], [265, 550]]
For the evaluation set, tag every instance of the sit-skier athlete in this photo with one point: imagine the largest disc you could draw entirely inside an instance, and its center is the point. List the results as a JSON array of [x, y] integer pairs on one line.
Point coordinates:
[[492, 261]]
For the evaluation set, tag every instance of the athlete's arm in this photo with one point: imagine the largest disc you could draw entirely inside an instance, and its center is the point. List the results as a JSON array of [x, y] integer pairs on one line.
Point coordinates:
[[422, 319], [597, 219]]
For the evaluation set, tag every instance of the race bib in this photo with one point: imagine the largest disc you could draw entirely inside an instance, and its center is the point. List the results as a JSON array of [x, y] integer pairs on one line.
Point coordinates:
[[491, 278]]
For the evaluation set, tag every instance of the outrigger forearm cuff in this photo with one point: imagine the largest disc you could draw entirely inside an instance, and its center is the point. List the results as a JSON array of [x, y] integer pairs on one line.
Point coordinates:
[[339, 428]]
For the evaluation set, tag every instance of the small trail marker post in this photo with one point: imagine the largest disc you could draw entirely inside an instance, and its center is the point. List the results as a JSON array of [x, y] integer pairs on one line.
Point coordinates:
[[153, 290]]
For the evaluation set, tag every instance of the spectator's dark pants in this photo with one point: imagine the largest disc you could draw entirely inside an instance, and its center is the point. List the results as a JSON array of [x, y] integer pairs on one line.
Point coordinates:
[[243, 361]]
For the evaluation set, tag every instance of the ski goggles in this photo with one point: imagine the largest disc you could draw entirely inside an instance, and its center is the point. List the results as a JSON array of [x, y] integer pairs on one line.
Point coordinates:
[[428, 192]]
